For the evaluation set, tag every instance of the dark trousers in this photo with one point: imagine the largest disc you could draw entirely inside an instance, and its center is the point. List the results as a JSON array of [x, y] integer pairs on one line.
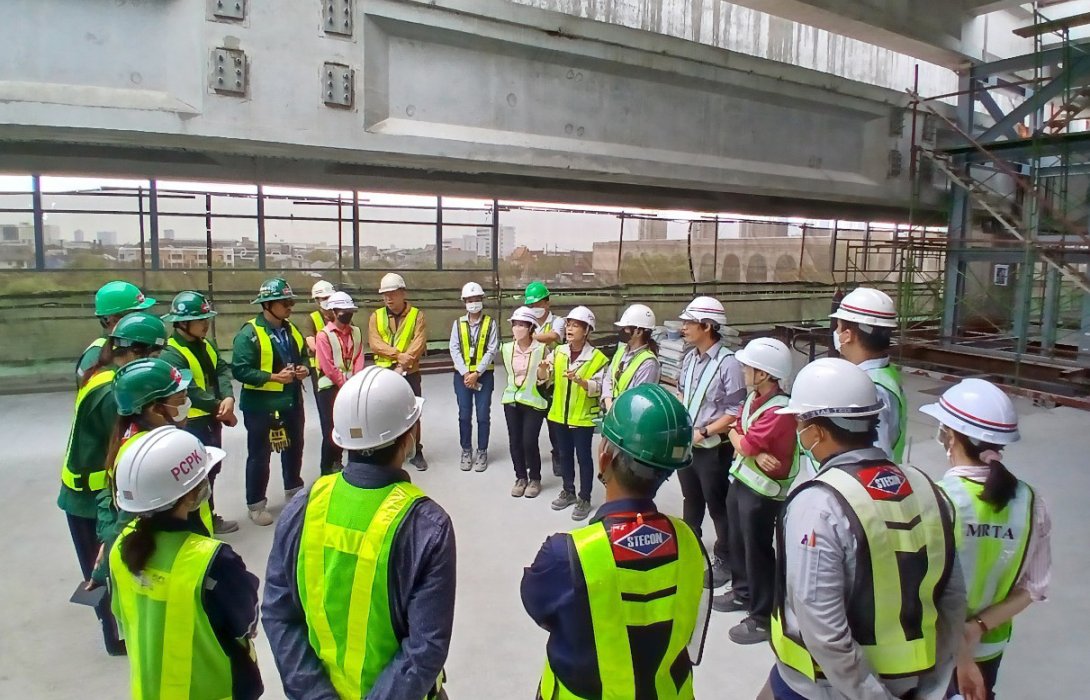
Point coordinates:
[[547, 392], [574, 444], [989, 669], [705, 485], [210, 432], [752, 527], [523, 427], [258, 451], [415, 384], [331, 454], [85, 540], [470, 400]]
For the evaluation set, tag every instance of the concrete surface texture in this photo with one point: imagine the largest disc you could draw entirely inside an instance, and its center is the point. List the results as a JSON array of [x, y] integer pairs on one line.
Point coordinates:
[[51, 649]]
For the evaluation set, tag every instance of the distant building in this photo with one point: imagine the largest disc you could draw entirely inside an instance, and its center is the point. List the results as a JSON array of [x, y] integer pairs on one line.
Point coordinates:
[[760, 229], [651, 230], [24, 234], [77, 235], [702, 230], [484, 242], [107, 238], [180, 257]]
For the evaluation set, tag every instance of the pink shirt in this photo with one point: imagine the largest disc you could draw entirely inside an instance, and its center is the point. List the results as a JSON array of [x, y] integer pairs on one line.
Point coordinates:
[[324, 351]]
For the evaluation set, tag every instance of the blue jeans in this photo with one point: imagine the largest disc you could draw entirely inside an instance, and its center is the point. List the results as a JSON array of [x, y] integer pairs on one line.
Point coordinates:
[[780, 689], [467, 400], [574, 443]]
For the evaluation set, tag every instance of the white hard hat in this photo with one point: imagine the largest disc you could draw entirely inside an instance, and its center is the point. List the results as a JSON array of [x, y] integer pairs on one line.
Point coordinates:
[[524, 314], [768, 355], [705, 309], [339, 300], [321, 289], [160, 467], [868, 306], [835, 388], [373, 409], [977, 409], [637, 316], [472, 289], [581, 313], [391, 282]]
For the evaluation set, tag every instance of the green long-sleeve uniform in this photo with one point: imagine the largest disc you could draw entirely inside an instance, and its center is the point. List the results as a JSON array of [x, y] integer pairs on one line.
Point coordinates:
[[217, 378], [94, 423], [246, 366]]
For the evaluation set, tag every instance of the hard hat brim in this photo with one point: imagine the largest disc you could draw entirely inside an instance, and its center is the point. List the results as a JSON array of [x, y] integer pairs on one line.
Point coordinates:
[[175, 318], [215, 454], [277, 297], [959, 425]]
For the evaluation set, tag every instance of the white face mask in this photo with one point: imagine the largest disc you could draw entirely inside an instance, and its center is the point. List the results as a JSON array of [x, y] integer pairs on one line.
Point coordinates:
[[520, 332], [475, 307], [940, 434], [539, 313], [182, 410], [836, 341]]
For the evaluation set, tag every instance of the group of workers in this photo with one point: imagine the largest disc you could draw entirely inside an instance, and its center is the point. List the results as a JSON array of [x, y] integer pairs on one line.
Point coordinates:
[[868, 579]]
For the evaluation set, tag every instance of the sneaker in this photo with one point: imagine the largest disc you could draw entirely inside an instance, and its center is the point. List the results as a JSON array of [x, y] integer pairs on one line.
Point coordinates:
[[220, 526], [419, 462], [719, 574], [258, 514], [565, 499], [290, 493], [467, 460], [519, 488], [750, 631], [480, 462], [533, 489], [729, 602], [582, 510]]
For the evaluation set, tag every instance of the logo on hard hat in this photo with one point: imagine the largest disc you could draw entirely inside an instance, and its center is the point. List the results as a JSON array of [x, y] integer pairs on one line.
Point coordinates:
[[645, 540], [175, 375], [885, 483], [139, 297], [287, 290], [206, 307]]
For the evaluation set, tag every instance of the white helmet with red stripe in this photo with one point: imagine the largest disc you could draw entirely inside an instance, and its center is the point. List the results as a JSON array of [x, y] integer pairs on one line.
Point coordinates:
[[705, 309], [869, 307], [977, 409]]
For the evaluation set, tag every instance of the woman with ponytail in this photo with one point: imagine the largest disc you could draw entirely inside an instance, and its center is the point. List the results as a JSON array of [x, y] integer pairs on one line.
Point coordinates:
[[1003, 527], [177, 593]]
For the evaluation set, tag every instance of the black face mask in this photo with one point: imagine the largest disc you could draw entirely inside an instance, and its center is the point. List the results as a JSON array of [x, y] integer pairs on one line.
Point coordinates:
[[345, 317], [625, 335]]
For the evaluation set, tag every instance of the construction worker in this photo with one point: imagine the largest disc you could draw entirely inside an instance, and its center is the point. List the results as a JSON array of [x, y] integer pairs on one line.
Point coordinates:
[[864, 328], [185, 601], [712, 387], [757, 492], [340, 355], [474, 344], [311, 325], [211, 394], [359, 592], [575, 371], [550, 332], [870, 601], [113, 301], [1003, 527], [270, 360], [621, 597], [398, 336], [636, 360], [139, 334], [524, 405]]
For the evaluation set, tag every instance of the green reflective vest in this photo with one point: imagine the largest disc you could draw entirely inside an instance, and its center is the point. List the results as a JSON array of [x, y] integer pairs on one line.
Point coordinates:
[[906, 554], [622, 599], [173, 651], [472, 354], [319, 324], [343, 576], [889, 378], [528, 392], [196, 368], [400, 340], [81, 479], [345, 366], [571, 404], [992, 548], [265, 354], [745, 469], [623, 377]]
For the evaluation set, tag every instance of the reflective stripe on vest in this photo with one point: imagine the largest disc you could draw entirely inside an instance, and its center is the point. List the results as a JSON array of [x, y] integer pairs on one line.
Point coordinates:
[[906, 553], [265, 354], [527, 393], [622, 599], [992, 551], [745, 469], [95, 480], [693, 398], [196, 368], [205, 509], [622, 378], [471, 355], [889, 378], [343, 575], [571, 404], [173, 651], [402, 339], [319, 324], [325, 382]]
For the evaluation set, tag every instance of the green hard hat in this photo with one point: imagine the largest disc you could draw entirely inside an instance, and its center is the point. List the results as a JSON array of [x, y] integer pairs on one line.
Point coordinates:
[[189, 306], [651, 426], [143, 382], [273, 290], [535, 292], [117, 297], [139, 327]]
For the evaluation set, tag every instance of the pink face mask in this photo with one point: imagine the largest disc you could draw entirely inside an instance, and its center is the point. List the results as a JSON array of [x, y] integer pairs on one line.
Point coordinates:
[[520, 332]]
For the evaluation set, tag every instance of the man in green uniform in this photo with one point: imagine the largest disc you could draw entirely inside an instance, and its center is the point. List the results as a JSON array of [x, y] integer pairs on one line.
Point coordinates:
[[112, 301]]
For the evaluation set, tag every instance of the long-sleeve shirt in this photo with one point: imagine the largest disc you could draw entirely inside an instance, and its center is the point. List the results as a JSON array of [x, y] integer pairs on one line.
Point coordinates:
[[92, 427], [594, 383], [217, 376], [417, 346], [772, 432], [726, 392], [491, 345], [889, 419], [647, 373], [821, 556], [246, 366], [324, 348], [421, 596]]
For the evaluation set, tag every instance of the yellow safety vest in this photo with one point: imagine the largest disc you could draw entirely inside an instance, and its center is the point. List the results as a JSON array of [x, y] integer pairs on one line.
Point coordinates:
[[196, 368], [345, 366], [265, 353], [571, 404], [745, 469], [528, 392], [402, 339], [319, 324], [471, 355], [622, 378], [95, 480]]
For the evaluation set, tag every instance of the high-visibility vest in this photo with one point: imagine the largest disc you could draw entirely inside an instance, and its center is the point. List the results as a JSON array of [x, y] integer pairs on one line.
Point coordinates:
[[906, 555], [693, 395], [196, 368], [402, 339], [265, 354], [343, 577], [319, 324], [526, 393], [344, 365], [622, 378], [889, 378], [623, 599], [471, 355], [173, 651], [85, 480], [992, 547], [96, 343], [745, 469], [571, 404], [205, 510]]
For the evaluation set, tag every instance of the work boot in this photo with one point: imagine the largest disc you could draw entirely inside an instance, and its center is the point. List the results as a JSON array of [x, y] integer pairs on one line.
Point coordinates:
[[729, 602], [581, 511], [565, 499], [480, 462], [467, 460], [719, 574], [533, 489], [290, 493], [750, 631], [221, 526], [258, 514], [519, 488], [419, 462]]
